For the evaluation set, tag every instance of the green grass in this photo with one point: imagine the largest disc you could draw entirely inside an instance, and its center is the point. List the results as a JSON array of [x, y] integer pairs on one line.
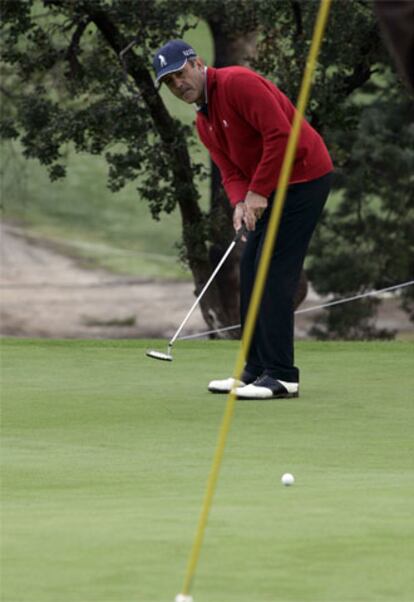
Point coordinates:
[[112, 230], [106, 454]]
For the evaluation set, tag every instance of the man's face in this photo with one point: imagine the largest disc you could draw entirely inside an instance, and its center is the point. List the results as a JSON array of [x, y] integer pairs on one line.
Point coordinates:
[[188, 83]]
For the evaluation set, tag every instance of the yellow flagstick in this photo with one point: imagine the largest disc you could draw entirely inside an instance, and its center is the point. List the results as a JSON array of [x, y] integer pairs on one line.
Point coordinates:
[[260, 281]]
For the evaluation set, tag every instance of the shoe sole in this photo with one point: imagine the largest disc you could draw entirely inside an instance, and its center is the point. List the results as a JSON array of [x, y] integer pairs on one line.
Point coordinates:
[[280, 396]]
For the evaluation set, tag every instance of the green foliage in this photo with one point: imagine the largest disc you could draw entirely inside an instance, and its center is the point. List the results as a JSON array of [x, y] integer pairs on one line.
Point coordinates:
[[366, 117], [74, 89], [365, 242], [236, 17]]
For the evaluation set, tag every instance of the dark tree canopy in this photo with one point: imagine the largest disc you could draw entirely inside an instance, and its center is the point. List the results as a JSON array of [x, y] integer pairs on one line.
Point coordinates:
[[65, 80]]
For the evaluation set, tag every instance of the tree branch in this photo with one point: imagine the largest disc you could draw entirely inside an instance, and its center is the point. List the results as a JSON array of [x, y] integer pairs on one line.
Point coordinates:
[[138, 71], [363, 70], [297, 13], [76, 68]]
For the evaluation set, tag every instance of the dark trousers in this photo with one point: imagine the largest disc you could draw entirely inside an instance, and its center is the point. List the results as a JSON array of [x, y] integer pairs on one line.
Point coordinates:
[[271, 351]]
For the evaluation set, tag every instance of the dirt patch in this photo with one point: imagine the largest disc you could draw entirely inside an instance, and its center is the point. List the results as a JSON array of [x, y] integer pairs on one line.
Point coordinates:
[[47, 294]]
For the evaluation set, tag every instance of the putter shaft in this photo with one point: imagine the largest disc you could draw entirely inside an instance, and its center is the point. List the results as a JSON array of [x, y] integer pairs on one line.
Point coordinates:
[[233, 243]]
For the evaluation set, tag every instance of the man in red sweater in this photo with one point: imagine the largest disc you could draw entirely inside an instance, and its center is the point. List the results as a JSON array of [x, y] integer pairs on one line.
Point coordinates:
[[244, 120]]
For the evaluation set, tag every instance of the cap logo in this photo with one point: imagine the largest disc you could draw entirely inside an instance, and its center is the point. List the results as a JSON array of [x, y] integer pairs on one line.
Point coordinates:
[[162, 60]]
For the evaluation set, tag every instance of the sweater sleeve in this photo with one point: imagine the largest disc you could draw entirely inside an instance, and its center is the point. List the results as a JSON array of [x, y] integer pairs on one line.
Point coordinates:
[[253, 99], [234, 182], [235, 185]]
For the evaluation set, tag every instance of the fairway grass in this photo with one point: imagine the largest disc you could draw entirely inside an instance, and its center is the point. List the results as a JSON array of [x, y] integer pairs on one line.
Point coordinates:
[[106, 453]]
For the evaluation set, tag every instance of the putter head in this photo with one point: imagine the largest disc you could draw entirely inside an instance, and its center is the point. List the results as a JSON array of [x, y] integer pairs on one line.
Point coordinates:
[[158, 355]]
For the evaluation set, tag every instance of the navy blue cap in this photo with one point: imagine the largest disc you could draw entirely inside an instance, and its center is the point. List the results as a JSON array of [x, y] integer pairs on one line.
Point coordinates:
[[172, 57]]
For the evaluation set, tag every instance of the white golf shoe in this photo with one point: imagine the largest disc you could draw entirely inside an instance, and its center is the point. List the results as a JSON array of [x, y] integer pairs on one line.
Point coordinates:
[[266, 387], [228, 384], [225, 385]]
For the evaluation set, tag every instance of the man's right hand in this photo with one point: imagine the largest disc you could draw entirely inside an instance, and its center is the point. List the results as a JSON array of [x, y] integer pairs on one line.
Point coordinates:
[[238, 216]]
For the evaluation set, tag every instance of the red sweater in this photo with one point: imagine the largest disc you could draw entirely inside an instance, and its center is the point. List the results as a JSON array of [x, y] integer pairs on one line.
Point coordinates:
[[246, 132]]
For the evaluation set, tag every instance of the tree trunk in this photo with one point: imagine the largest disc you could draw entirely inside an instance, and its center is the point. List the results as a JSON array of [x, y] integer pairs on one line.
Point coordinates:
[[234, 50]]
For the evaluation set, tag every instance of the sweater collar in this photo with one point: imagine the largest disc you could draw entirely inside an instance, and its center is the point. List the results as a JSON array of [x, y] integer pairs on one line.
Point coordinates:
[[209, 85]]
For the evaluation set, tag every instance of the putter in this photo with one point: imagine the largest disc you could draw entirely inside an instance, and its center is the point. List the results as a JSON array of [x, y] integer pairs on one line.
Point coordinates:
[[167, 357]]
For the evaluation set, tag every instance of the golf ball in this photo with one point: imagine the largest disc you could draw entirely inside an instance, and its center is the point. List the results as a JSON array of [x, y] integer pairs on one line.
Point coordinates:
[[287, 479], [183, 598]]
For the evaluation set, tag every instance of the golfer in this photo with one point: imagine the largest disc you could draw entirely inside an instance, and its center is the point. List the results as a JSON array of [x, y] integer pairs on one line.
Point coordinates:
[[244, 120]]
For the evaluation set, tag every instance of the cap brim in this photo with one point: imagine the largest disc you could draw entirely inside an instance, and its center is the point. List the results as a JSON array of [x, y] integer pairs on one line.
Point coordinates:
[[170, 69]]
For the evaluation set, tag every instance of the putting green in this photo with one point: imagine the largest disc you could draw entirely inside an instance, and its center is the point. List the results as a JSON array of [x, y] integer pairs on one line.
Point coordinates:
[[106, 454]]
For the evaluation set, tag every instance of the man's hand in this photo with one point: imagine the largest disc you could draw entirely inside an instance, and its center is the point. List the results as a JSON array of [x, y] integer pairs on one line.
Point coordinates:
[[238, 216], [249, 211], [254, 206]]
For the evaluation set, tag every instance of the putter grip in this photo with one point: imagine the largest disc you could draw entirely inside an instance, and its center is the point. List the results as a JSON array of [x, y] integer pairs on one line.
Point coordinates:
[[241, 232]]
